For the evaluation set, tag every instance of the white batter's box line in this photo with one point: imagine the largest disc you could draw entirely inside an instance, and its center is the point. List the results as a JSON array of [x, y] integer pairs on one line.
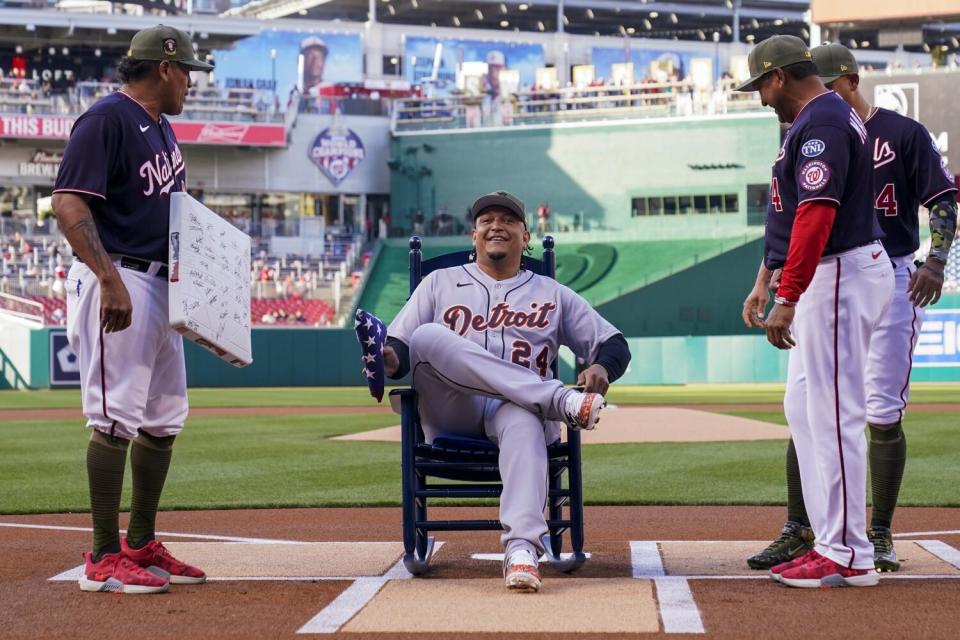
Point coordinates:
[[914, 534], [162, 534], [942, 550], [498, 557], [675, 604], [354, 598]]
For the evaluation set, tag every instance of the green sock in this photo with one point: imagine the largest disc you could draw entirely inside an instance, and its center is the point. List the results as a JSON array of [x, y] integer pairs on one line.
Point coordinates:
[[888, 456], [106, 459], [796, 509], [149, 461]]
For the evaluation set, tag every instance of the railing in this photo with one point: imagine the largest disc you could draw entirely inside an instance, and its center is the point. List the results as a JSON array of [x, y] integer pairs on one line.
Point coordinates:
[[569, 104], [21, 308]]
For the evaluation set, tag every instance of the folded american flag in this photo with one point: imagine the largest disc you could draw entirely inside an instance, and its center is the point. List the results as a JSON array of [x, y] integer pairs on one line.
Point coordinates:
[[372, 334]]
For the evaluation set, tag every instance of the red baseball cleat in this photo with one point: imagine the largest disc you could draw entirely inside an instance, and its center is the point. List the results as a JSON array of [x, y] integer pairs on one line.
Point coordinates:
[[155, 558], [777, 570], [824, 573], [520, 571], [116, 573]]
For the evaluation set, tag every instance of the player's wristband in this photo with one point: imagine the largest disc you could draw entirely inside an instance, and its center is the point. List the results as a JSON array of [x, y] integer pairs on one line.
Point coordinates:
[[783, 301]]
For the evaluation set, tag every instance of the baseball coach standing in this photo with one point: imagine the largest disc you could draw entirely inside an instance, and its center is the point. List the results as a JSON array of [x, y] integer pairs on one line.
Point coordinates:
[[112, 200]]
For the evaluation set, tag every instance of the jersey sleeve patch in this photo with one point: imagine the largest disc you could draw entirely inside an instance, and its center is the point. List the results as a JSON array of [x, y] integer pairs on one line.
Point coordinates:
[[813, 148], [814, 175]]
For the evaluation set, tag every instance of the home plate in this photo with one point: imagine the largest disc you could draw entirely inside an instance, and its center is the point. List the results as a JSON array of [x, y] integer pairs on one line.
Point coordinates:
[[615, 605], [729, 558]]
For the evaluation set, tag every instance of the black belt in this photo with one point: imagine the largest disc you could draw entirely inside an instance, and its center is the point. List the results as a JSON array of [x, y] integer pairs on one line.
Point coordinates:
[[135, 264]]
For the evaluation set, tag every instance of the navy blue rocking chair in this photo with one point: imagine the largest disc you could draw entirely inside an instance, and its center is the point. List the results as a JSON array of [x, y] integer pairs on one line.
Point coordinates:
[[473, 461]]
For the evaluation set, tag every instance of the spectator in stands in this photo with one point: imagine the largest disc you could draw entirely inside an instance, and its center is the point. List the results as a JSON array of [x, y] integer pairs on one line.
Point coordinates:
[[58, 317], [543, 218], [496, 62], [418, 222]]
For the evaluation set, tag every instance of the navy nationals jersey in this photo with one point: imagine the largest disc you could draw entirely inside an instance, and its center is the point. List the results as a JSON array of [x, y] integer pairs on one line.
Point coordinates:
[[908, 172], [130, 164], [824, 156]]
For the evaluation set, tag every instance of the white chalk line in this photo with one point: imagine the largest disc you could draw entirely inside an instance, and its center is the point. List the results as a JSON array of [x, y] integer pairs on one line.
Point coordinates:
[[914, 534], [354, 598], [165, 534], [678, 610], [498, 557], [942, 550]]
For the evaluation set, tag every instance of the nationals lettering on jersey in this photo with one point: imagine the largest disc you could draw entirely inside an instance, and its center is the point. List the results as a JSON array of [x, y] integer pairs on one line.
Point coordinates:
[[130, 164], [524, 319], [908, 171], [824, 156]]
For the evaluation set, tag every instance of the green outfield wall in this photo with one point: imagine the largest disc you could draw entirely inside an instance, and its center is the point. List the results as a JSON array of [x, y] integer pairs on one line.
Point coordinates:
[[592, 170]]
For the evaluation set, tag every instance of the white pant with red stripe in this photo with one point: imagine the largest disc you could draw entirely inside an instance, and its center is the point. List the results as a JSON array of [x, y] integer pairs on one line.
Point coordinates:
[[891, 351], [825, 402], [132, 379]]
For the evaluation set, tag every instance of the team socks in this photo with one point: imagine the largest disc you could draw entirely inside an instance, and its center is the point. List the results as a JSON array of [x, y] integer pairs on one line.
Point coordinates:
[[888, 457], [106, 459], [149, 461], [796, 509]]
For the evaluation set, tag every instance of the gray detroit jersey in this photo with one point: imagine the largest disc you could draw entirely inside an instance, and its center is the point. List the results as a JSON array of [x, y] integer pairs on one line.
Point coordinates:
[[523, 320]]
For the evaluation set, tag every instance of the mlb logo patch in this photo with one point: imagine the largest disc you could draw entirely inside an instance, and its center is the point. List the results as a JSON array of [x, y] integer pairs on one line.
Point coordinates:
[[170, 46], [814, 175]]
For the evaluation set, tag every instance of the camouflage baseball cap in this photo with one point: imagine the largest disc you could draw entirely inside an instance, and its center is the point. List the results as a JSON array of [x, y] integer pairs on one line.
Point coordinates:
[[166, 43], [834, 60], [501, 199], [773, 53]]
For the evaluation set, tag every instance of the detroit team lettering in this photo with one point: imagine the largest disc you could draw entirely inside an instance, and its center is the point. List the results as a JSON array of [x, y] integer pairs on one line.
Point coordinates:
[[461, 318], [162, 171]]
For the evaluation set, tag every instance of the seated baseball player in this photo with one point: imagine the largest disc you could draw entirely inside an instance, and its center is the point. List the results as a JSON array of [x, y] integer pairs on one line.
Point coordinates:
[[480, 339]]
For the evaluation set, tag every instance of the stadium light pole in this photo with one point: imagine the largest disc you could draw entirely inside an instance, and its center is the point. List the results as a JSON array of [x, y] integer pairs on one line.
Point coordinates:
[[273, 73], [736, 20]]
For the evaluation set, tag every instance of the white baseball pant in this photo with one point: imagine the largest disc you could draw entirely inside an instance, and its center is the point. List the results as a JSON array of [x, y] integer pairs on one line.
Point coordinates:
[[825, 401], [891, 351], [131, 379], [466, 390]]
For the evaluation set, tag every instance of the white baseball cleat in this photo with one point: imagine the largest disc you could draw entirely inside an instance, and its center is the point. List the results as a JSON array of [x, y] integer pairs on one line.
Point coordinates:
[[582, 410], [520, 571]]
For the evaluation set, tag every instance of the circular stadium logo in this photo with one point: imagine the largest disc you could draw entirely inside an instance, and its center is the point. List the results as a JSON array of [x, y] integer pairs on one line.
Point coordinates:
[[813, 148], [814, 175]]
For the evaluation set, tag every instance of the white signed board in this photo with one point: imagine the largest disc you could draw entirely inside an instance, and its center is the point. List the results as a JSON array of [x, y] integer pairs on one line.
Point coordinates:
[[209, 280]]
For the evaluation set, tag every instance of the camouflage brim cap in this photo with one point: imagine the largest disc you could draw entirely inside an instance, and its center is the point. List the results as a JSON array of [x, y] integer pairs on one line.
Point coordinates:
[[773, 53], [166, 43], [833, 61]]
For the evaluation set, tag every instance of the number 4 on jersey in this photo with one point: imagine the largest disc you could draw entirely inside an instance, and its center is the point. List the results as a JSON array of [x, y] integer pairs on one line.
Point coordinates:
[[887, 200], [775, 198]]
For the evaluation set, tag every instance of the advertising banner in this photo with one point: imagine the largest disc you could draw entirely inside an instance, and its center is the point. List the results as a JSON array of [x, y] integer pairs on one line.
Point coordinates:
[[274, 62], [64, 367], [433, 62], [938, 345], [929, 98], [651, 64], [187, 131]]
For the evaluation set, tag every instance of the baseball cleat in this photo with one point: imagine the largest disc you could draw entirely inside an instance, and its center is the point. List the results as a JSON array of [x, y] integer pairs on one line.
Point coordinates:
[[777, 570], [155, 558], [884, 555], [116, 573], [824, 573], [582, 410], [520, 571], [795, 540]]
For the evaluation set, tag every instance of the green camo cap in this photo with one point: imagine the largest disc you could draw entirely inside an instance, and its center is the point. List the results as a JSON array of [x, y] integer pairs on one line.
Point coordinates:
[[834, 60], [166, 43], [773, 53]]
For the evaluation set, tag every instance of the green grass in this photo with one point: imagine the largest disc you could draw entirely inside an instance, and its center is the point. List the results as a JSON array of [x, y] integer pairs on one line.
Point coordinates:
[[262, 462], [358, 396]]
